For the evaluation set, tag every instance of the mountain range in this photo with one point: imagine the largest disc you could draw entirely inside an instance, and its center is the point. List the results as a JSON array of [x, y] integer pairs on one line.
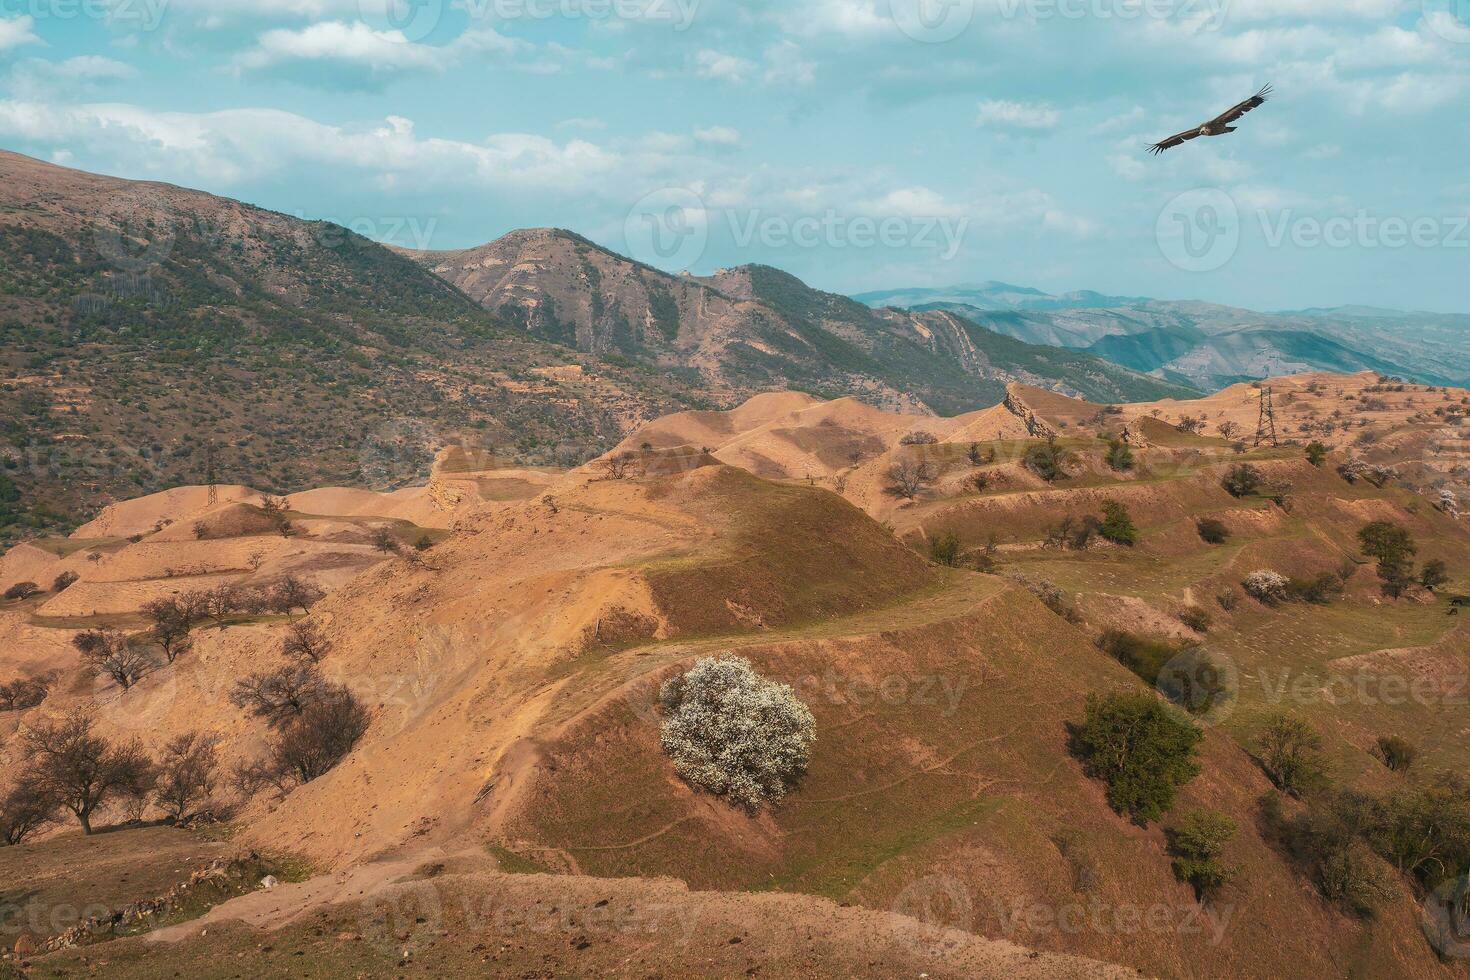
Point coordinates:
[[152, 335], [1206, 345]]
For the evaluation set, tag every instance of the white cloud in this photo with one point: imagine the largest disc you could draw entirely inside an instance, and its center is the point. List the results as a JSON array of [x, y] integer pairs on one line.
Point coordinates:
[[718, 136], [221, 148], [785, 65], [912, 202], [15, 31], [1022, 115], [355, 43], [724, 67], [1258, 10], [36, 78]]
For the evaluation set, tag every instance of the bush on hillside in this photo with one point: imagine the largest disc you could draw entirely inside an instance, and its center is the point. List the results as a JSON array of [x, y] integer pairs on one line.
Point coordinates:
[[734, 733], [1267, 586], [1117, 524], [1195, 618], [64, 581], [1120, 456], [1212, 531], [919, 439], [1141, 748], [1242, 479], [944, 549], [1398, 754], [1197, 843], [1047, 460], [1325, 841], [22, 590], [1290, 753]]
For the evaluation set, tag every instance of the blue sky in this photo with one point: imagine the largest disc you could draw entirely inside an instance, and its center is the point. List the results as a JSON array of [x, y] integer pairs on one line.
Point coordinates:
[[860, 144]]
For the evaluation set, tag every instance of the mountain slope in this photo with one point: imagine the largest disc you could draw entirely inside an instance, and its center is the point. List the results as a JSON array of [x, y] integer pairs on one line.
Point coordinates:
[[754, 327], [140, 321]]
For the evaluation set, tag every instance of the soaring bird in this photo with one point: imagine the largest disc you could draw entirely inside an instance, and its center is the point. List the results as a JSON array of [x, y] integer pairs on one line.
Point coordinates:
[[1218, 126]]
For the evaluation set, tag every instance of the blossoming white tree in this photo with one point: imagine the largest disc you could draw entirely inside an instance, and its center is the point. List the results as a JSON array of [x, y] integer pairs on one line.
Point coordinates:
[[734, 733]]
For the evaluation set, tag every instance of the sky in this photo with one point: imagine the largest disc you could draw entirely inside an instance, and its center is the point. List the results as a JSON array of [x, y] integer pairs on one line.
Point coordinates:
[[858, 144]]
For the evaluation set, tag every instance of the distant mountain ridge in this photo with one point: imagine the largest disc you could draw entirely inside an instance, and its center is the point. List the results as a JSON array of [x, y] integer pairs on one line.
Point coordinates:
[[1207, 345], [753, 328]]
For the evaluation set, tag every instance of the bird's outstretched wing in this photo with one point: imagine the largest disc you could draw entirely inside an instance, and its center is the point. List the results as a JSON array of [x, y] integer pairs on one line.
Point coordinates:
[[1240, 109], [1174, 140]]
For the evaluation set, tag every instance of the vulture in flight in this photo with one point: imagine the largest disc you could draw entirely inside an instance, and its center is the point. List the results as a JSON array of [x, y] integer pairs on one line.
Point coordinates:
[[1218, 126]]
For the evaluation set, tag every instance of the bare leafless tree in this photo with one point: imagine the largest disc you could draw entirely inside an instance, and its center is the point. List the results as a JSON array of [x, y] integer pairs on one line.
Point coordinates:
[[23, 811], [80, 770], [172, 622], [126, 659], [304, 642], [908, 478], [281, 694], [186, 773], [292, 593]]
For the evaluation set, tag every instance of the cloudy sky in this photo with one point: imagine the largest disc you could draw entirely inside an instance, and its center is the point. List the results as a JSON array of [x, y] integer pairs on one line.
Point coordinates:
[[860, 144]]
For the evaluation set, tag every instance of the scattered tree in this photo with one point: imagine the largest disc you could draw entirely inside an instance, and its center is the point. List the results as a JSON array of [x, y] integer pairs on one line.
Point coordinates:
[[281, 694], [23, 693], [1195, 618], [1047, 460], [172, 621], [1117, 524], [1242, 479], [1316, 453], [944, 549], [918, 439], [1197, 843], [1212, 531], [1266, 586], [126, 659], [186, 774], [1120, 455], [305, 643], [1142, 748], [82, 771], [64, 581], [291, 593], [383, 540], [908, 478], [1290, 754], [22, 590], [1393, 546], [23, 811], [1398, 754], [1434, 574]]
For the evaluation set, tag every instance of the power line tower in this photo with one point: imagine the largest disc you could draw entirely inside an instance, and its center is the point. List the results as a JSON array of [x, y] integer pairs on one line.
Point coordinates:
[[1266, 426], [209, 472]]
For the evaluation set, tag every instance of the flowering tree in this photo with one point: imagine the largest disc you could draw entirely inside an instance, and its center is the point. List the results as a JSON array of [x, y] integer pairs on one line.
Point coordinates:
[[734, 733]]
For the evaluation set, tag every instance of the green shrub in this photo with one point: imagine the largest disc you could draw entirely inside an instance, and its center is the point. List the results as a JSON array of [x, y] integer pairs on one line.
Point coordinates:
[[1212, 531], [1120, 456], [1141, 748], [1197, 843], [944, 549], [1144, 656], [1047, 461], [1398, 754], [1195, 618], [1290, 754], [1242, 479], [1117, 524], [1319, 590], [1325, 841], [1316, 453]]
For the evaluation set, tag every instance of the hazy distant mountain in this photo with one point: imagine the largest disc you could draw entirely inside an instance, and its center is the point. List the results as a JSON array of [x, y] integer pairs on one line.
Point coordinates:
[[754, 328], [1207, 345], [996, 296]]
